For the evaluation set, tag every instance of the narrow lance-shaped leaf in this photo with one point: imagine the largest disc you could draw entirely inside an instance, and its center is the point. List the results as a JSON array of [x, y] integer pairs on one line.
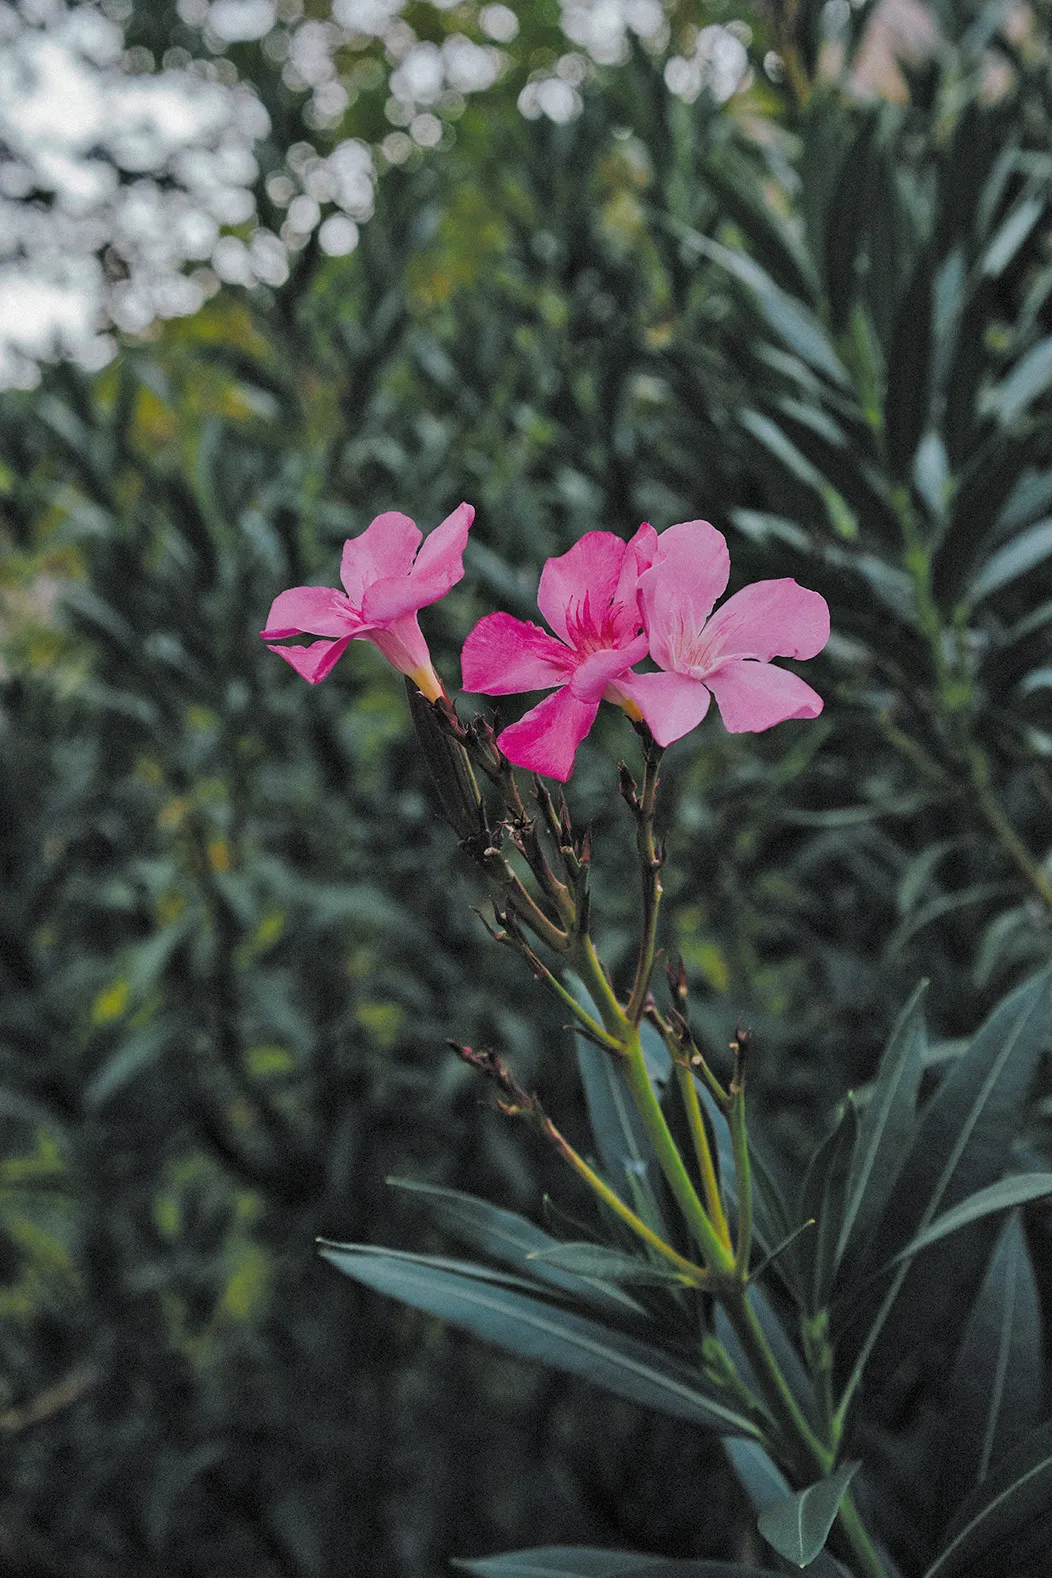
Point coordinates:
[[1021, 1189], [536, 1330], [1013, 1500], [567, 1561], [511, 1239], [996, 1395], [601, 1261], [822, 1200], [886, 1121], [798, 1527], [960, 1147], [624, 1149]]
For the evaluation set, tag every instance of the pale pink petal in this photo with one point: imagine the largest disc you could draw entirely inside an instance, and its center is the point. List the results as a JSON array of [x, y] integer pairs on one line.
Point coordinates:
[[315, 661], [503, 654], [383, 552], [310, 611], [440, 560], [671, 704], [689, 572], [766, 620], [626, 613], [595, 672], [752, 696], [402, 644], [576, 588], [546, 739], [439, 565]]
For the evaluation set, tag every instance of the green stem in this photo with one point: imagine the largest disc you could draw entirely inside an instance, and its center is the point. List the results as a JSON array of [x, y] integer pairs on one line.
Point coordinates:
[[855, 1537], [743, 1172], [702, 1151], [692, 1274], [718, 1257], [800, 1449], [650, 866], [589, 967]]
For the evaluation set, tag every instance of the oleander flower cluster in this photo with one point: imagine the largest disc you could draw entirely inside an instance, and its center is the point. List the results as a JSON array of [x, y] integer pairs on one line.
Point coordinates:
[[610, 605]]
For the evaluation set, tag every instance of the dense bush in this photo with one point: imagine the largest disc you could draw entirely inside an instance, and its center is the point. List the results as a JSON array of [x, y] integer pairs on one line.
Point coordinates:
[[227, 987]]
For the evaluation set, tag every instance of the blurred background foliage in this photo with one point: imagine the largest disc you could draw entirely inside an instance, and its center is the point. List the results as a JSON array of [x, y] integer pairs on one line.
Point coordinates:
[[235, 933]]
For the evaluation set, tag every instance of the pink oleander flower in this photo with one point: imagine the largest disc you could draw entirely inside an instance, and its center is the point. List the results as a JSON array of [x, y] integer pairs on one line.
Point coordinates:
[[385, 581], [589, 598], [726, 654]]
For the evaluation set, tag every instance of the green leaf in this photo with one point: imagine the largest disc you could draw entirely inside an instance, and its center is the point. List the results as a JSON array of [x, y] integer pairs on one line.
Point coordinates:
[[822, 1199], [140, 1051], [788, 1359], [1010, 237], [600, 1261], [529, 1327], [886, 1122], [761, 1478], [1022, 1189], [798, 1526], [1030, 548], [1029, 499], [995, 1396], [569, 1561], [511, 1239], [793, 323], [967, 1128], [990, 474], [908, 397], [961, 1145], [1025, 383], [625, 1153], [1015, 1497]]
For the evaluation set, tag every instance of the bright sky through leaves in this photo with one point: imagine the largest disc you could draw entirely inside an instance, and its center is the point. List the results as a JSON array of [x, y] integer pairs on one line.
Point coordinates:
[[129, 185]]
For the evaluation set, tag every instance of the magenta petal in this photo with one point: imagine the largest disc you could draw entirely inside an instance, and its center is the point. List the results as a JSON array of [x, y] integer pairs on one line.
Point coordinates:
[[689, 572], [546, 739], [383, 552], [595, 673], [310, 611], [671, 704], [503, 655], [766, 620], [315, 661], [576, 588], [752, 696]]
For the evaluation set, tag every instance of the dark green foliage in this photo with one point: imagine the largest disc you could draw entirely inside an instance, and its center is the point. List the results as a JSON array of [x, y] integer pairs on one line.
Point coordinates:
[[226, 984]]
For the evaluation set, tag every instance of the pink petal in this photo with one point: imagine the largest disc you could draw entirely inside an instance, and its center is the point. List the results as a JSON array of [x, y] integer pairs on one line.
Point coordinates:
[[315, 661], [503, 654], [577, 587], [546, 739], [309, 610], [439, 565], [752, 696], [440, 560], [689, 572], [626, 611], [383, 552], [671, 704], [766, 620], [402, 644], [591, 676]]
